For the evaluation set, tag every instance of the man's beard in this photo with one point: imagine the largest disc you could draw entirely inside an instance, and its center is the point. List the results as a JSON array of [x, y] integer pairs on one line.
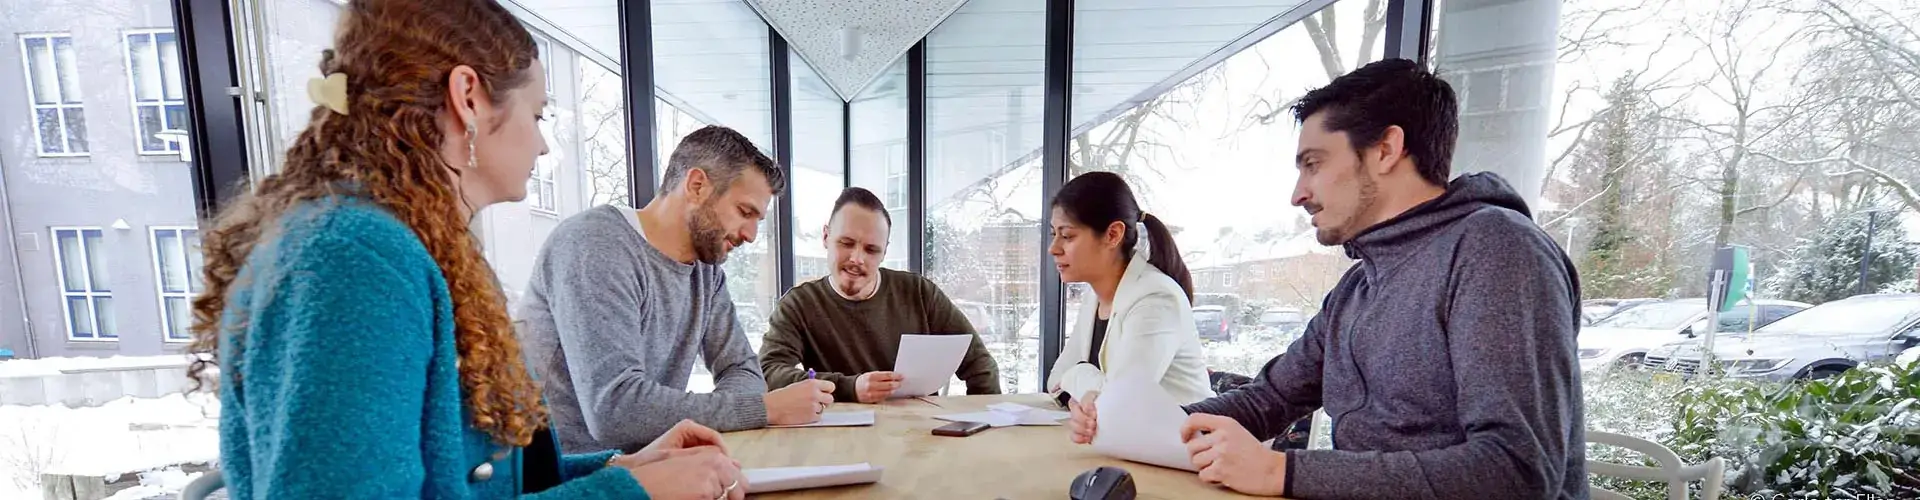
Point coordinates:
[[709, 240], [1340, 234], [851, 289]]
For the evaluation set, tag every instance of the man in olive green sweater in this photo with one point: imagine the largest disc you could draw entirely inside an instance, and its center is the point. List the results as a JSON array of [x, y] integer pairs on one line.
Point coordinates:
[[846, 327]]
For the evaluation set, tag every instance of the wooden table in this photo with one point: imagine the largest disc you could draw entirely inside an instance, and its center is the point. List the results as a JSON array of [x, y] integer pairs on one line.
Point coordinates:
[[1013, 463]]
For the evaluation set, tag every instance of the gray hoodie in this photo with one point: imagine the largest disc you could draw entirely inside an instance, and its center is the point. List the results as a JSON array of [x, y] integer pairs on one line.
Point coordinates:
[[1445, 357]]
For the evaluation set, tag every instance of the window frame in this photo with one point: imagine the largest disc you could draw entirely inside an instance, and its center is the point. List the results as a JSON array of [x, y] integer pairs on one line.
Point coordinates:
[[66, 297], [160, 278], [61, 106], [543, 190], [135, 104]]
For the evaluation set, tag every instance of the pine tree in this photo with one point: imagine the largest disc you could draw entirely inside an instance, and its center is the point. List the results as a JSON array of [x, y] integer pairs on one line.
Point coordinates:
[[1622, 144], [1827, 267]]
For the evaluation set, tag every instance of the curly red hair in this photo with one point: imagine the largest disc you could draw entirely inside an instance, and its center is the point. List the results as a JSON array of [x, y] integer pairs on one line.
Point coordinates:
[[397, 56]]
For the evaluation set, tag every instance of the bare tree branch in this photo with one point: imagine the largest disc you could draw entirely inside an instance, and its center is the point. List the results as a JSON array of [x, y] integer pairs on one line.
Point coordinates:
[[1323, 42]]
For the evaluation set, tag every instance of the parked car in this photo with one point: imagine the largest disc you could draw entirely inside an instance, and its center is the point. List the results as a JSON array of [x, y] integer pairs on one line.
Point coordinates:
[[1213, 323], [1623, 339], [981, 316], [1817, 343], [1594, 310], [1282, 319]]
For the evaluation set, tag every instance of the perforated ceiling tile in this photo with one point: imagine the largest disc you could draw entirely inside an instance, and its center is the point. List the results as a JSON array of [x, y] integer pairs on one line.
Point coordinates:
[[881, 30]]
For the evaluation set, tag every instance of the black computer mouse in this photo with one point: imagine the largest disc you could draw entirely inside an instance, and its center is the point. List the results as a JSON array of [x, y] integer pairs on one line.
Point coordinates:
[[1104, 483]]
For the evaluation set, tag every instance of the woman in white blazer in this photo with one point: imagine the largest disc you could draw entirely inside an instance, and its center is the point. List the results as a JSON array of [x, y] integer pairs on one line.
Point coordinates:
[[1139, 321]]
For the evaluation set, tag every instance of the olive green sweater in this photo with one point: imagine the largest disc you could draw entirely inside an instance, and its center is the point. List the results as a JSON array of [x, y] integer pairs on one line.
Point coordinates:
[[815, 328]]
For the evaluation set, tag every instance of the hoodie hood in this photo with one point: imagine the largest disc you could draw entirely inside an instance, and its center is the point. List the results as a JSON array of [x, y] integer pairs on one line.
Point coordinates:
[[1386, 243]]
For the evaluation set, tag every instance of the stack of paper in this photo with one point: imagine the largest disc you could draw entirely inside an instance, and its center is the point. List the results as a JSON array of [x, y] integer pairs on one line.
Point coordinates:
[[839, 419], [1009, 414], [796, 478], [928, 361], [1140, 422]]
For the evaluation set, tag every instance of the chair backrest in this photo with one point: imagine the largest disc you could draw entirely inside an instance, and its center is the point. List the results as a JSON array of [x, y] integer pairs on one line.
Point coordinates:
[[203, 486], [1672, 471]]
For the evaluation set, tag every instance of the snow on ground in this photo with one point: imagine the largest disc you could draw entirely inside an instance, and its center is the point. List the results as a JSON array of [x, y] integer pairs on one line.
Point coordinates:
[[53, 366], [164, 483], [123, 436]]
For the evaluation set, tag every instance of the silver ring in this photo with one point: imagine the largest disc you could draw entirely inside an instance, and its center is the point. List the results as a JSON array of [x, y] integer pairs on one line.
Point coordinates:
[[729, 490]]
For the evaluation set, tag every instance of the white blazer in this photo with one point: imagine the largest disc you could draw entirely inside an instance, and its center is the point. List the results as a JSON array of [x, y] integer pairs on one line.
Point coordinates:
[[1150, 330]]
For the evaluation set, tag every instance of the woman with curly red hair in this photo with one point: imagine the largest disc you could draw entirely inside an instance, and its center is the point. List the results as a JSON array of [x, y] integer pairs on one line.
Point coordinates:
[[362, 343]]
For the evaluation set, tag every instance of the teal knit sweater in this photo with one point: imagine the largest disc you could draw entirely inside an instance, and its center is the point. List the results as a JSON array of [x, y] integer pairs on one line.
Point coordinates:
[[340, 378]]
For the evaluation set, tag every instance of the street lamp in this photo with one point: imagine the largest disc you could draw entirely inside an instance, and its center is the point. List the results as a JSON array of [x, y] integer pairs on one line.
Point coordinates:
[[1866, 254]]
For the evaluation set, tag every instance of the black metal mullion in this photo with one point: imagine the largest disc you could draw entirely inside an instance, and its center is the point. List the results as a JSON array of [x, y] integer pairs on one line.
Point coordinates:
[[846, 144], [1054, 130], [917, 157], [783, 152], [636, 68], [1409, 29], [216, 135]]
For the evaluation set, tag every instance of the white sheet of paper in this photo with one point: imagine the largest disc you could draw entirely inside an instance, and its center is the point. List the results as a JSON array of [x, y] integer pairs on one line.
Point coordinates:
[[928, 361], [839, 419], [1140, 422], [773, 479]]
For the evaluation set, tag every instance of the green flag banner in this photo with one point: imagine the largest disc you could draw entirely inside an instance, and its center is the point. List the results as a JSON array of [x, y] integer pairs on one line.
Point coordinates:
[[1730, 262]]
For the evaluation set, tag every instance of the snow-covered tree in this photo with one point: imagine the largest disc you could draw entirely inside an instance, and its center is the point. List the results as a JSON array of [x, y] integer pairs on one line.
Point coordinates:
[[1827, 267], [1622, 168]]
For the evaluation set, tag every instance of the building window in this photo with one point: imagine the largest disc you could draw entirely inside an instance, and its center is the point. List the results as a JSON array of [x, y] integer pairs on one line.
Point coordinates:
[[85, 297], [540, 186], [176, 263], [1226, 279], [159, 98], [53, 90]]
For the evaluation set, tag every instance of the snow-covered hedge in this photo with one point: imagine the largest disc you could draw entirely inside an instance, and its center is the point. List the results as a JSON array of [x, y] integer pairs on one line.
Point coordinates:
[[1852, 436]]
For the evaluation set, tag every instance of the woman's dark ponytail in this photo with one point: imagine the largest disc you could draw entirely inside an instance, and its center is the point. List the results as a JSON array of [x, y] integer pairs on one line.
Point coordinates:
[[1165, 255], [1099, 199]]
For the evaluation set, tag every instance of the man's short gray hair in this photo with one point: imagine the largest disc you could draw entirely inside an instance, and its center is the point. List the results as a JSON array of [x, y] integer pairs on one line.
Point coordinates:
[[723, 154]]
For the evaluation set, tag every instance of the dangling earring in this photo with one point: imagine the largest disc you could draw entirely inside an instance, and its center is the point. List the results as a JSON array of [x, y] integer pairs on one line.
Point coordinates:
[[473, 160], [473, 163]]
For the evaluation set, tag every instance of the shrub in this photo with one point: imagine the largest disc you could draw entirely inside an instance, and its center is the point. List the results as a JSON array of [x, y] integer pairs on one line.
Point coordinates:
[[1853, 435]]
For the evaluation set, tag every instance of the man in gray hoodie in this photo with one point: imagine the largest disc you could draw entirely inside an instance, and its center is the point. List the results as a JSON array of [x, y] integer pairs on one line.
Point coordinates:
[[1445, 356]]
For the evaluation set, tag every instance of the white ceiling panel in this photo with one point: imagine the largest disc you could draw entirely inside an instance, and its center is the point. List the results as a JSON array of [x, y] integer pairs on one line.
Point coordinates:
[[1125, 48], [884, 29], [710, 57]]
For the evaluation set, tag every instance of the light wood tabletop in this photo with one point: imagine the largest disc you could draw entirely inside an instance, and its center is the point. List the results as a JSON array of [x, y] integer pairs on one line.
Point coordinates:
[[1013, 463]]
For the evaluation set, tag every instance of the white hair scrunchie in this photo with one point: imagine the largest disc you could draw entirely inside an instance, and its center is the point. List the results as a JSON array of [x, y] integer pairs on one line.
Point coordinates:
[[1141, 245]]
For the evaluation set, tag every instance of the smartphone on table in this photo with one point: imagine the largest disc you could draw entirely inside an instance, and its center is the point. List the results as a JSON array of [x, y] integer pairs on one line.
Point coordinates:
[[960, 429]]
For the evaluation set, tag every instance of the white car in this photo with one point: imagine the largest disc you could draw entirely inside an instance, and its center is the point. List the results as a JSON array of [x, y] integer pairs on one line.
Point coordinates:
[[1623, 339]]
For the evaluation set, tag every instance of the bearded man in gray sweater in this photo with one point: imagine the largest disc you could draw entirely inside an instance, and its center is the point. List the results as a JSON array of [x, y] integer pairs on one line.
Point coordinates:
[[622, 302], [1445, 356]]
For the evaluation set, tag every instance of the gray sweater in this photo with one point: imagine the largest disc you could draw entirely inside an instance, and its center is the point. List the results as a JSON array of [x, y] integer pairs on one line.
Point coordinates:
[[612, 327], [1445, 357]]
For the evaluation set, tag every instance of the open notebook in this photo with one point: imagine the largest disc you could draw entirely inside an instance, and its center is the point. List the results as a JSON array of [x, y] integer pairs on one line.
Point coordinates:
[[839, 419], [773, 479]]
